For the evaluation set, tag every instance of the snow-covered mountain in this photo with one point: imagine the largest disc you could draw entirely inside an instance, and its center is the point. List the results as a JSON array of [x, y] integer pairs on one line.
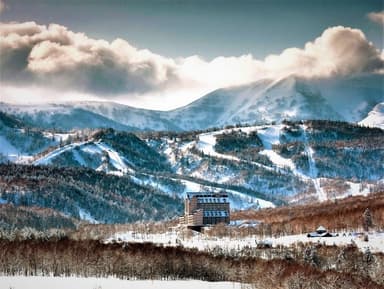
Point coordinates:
[[66, 116], [375, 118], [264, 101], [291, 98], [19, 141]]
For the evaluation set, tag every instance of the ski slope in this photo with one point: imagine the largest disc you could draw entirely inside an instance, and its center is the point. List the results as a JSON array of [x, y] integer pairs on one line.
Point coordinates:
[[115, 159], [269, 135], [207, 142], [118, 162], [47, 159], [313, 173]]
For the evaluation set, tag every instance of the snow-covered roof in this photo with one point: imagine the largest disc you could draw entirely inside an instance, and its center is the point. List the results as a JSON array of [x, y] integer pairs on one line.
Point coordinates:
[[206, 195], [321, 229]]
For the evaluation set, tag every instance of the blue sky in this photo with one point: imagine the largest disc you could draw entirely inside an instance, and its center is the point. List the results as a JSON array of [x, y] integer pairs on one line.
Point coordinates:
[[208, 28], [163, 54]]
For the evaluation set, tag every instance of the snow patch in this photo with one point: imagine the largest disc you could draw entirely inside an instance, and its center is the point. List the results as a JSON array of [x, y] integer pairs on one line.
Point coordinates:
[[39, 282], [204, 242], [313, 172], [270, 135], [278, 160], [115, 158], [86, 216], [375, 118]]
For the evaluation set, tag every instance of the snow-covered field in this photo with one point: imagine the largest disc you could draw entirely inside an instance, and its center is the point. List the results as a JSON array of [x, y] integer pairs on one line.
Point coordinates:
[[375, 241], [36, 282], [204, 243]]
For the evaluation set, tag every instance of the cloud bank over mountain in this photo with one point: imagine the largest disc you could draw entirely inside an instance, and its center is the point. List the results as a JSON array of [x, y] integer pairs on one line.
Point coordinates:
[[64, 61]]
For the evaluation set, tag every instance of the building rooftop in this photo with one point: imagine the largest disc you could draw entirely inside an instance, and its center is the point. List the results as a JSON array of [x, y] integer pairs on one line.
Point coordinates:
[[190, 195]]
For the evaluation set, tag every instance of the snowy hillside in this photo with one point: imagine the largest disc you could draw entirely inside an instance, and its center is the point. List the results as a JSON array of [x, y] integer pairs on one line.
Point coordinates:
[[100, 155], [19, 141], [82, 194], [65, 116], [375, 118], [264, 101], [283, 160], [259, 166], [290, 98]]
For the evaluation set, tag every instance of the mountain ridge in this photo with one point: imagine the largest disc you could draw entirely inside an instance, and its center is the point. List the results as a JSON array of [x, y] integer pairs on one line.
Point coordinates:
[[264, 101]]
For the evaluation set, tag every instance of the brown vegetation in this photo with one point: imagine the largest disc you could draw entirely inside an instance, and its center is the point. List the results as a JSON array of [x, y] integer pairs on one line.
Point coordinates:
[[65, 257], [103, 231], [345, 214], [18, 217]]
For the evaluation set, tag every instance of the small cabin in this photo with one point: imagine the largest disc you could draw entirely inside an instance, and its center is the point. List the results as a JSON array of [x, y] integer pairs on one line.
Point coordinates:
[[320, 232]]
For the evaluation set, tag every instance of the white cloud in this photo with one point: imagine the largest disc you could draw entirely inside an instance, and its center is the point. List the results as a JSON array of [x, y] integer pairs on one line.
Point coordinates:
[[55, 54], [338, 51], [56, 58], [377, 17]]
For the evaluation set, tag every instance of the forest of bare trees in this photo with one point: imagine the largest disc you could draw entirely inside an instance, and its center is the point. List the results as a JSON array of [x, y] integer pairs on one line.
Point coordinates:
[[68, 257], [345, 214]]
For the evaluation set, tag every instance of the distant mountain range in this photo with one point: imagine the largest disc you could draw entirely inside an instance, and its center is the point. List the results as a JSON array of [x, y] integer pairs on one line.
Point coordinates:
[[351, 99]]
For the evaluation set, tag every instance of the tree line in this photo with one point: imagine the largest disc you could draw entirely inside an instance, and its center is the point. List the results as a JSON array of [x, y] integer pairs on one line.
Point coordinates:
[[66, 257]]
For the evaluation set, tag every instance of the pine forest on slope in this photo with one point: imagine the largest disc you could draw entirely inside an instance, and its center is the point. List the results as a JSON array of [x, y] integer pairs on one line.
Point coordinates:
[[259, 166]]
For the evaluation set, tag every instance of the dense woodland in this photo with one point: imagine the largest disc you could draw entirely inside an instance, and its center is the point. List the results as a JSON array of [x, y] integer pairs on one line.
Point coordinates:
[[341, 149], [138, 152], [236, 140], [40, 219], [305, 267], [71, 191]]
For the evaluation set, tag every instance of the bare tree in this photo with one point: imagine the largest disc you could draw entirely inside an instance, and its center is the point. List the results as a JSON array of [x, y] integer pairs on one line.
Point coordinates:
[[367, 220]]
